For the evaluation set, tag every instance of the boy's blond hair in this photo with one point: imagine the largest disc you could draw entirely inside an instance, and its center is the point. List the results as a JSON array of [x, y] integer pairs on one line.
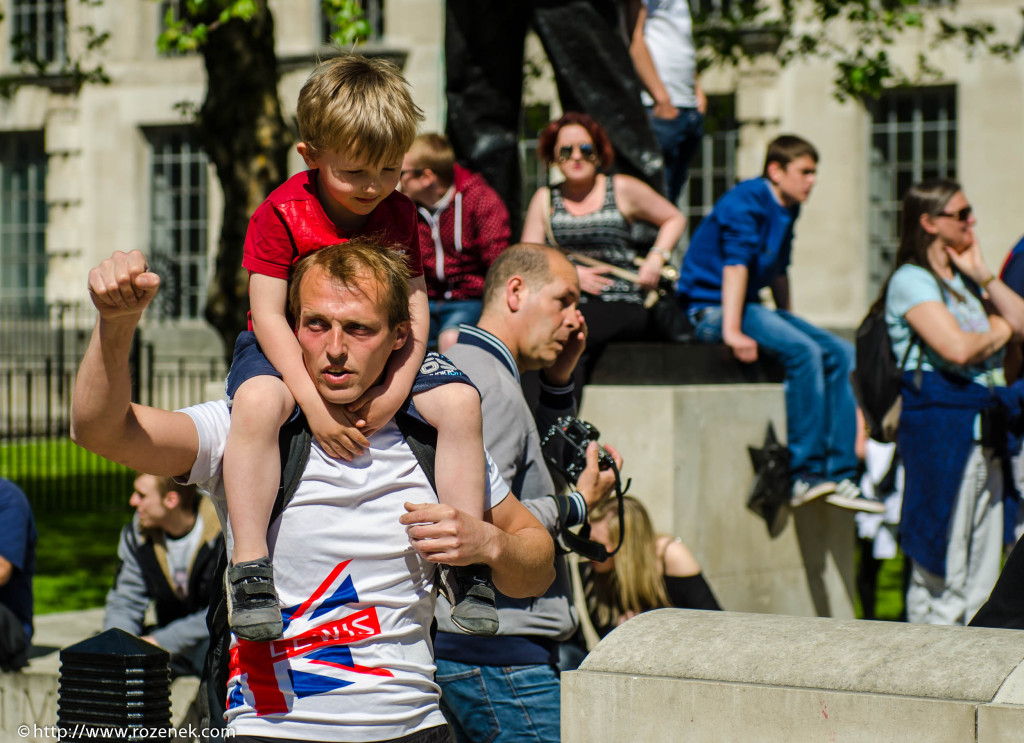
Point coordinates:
[[358, 106], [434, 151]]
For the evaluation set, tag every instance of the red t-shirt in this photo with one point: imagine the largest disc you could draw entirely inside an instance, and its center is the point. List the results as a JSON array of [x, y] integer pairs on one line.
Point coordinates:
[[292, 223]]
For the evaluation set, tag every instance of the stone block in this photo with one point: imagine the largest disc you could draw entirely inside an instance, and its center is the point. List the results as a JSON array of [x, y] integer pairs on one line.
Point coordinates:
[[685, 448]]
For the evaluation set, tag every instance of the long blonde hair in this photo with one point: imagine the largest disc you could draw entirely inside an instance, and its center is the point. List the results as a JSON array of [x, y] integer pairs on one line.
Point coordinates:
[[637, 583]]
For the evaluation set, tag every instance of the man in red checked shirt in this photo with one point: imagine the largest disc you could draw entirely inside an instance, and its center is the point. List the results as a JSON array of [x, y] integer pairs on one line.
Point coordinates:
[[463, 227]]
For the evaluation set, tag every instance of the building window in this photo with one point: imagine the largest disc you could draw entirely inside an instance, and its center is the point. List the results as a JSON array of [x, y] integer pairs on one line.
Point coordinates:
[[178, 222], [23, 223], [913, 138], [713, 168], [373, 12], [38, 29]]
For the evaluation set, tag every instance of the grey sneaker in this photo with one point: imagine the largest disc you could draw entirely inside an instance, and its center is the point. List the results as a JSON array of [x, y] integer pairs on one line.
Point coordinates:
[[253, 612], [849, 496], [470, 592], [804, 491]]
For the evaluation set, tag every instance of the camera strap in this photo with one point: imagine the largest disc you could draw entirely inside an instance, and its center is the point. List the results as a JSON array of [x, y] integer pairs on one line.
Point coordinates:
[[581, 543]]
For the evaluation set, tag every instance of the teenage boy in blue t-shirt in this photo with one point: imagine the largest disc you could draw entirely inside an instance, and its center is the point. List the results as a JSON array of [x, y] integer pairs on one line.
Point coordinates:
[[742, 247]]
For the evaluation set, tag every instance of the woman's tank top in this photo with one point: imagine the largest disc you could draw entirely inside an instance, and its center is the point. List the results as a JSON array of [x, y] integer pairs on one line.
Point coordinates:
[[604, 235]]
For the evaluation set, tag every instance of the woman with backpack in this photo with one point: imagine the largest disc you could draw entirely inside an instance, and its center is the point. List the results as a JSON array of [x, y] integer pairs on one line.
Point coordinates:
[[949, 318]]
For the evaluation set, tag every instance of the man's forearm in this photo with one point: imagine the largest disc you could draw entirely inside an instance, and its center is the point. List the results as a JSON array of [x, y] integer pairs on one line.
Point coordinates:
[[523, 562], [102, 393]]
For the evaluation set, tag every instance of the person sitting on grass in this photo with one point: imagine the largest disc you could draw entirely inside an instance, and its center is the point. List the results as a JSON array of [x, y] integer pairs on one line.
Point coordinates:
[[168, 556]]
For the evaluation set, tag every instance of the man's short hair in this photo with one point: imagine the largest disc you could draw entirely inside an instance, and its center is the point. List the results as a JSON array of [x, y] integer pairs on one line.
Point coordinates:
[[529, 260], [188, 495], [434, 151], [787, 148], [348, 263], [358, 106]]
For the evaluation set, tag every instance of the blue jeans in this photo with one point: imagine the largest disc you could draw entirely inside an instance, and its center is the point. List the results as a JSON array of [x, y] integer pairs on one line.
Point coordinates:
[[501, 704], [678, 139], [821, 417], [450, 313]]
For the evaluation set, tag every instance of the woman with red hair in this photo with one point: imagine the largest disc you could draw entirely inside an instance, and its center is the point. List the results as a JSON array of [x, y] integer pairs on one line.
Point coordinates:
[[591, 213]]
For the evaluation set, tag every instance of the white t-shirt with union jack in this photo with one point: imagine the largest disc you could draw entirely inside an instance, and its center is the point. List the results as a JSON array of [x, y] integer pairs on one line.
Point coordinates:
[[355, 661]]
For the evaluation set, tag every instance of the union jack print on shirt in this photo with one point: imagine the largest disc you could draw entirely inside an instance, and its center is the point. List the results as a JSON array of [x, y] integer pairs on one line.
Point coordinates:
[[313, 661]]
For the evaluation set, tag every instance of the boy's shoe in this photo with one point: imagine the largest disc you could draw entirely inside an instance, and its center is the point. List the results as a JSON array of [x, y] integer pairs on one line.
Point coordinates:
[[470, 592], [253, 611], [848, 495], [804, 491]]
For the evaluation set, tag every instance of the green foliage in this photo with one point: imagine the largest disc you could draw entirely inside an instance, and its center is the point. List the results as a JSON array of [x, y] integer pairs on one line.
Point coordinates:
[[348, 22], [851, 35], [187, 33]]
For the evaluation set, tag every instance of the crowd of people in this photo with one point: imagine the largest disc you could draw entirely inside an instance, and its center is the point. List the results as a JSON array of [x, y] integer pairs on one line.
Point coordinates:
[[386, 247]]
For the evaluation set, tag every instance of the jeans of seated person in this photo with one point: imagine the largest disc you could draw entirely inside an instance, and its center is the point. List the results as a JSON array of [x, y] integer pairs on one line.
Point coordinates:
[[679, 139], [821, 415], [449, 314], [501, 704]]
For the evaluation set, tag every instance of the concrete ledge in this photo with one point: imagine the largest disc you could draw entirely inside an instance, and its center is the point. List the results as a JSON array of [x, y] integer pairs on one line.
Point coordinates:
[[705, 676]]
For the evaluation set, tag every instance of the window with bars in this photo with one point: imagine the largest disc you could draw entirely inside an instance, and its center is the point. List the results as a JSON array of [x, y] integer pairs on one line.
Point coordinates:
[[38, 29], [178, 222], [23, 217], [913, 138], [713, 168]]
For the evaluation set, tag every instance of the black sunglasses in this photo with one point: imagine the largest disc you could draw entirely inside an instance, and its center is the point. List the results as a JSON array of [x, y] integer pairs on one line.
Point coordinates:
[[586, 151], [961, 215]]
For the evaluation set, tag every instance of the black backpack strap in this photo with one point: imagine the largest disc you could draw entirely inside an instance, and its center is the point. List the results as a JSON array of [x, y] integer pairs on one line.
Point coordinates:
[[295, 442], [422, 439]]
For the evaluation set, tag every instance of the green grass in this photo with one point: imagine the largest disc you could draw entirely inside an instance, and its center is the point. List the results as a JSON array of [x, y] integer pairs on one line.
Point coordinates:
[[76, 558]]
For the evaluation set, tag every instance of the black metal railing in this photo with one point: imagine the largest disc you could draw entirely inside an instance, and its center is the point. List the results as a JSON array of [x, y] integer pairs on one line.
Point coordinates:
[[39, 356]]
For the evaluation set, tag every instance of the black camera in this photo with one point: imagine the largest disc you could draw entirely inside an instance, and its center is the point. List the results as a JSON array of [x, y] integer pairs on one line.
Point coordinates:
[[565, 448]]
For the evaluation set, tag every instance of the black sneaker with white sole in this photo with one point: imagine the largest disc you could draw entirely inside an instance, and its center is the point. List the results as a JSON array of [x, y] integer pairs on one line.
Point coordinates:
[[253, 611], [470, 592]]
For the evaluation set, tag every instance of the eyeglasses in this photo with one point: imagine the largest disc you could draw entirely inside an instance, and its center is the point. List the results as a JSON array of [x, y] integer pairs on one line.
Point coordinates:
[[414, 172], [961, 215], [586, 151]]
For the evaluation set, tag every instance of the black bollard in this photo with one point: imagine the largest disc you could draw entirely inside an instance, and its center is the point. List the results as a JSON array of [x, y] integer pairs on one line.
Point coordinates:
[[114, 685]]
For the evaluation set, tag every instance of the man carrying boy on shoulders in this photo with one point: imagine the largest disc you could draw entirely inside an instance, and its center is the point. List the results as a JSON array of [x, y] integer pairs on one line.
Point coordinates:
[[357, 543], [743, 246]]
